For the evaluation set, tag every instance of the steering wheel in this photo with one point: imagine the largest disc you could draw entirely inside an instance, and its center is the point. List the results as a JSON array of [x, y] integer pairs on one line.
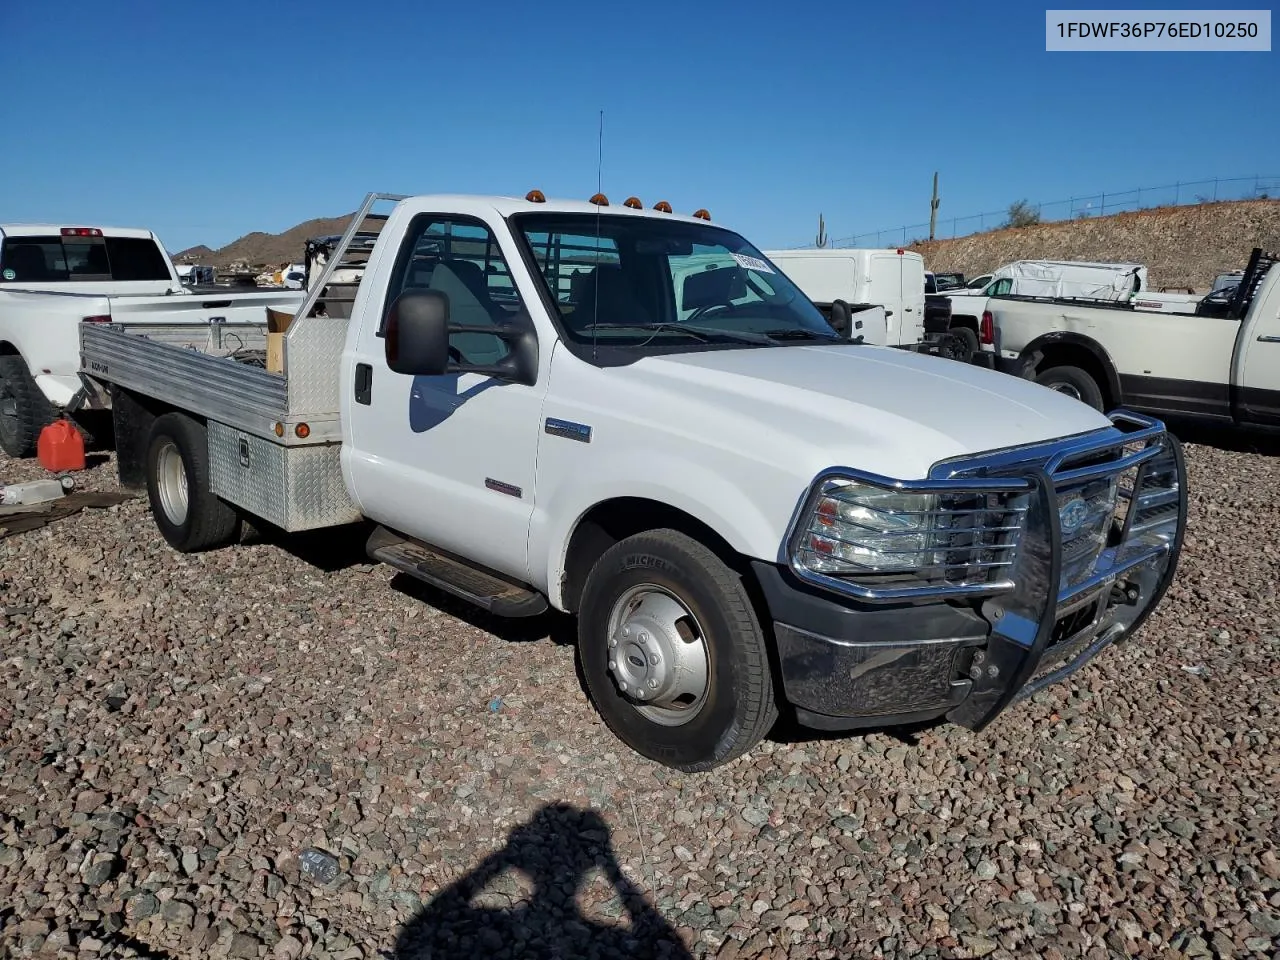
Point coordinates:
[[708, 308]]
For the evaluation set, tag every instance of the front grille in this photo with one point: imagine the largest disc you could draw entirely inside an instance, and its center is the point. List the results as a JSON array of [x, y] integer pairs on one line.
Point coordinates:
[[1116, 498], [977, 535]]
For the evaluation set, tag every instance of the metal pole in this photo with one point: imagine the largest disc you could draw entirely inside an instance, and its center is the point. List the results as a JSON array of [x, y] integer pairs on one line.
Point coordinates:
[[1177, 189]]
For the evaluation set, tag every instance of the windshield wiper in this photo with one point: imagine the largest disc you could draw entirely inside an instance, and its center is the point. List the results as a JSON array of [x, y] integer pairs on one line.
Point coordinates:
[[705, 334], [799, 333]]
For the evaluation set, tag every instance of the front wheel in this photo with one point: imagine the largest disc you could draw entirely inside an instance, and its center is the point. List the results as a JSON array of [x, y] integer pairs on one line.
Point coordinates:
[[1074, 382], [673, 654]]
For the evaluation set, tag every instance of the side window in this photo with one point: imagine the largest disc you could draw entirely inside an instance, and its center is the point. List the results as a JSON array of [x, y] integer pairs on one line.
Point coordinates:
[[460, 258], [1001, 287]]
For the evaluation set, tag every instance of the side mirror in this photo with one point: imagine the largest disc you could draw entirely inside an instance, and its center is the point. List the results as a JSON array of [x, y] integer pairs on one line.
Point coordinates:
[[417, 341], [417, 333], [840, 318]]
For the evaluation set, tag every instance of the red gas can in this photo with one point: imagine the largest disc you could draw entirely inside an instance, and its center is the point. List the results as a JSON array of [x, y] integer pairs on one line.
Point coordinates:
[[60, 447]]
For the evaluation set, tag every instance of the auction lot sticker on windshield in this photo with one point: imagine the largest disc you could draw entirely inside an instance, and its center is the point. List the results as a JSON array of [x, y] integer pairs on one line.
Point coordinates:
[[751, 263], [1181, 31]]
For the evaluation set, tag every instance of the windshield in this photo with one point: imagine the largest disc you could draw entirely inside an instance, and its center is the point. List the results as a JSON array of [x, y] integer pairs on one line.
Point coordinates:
[[633, 281]]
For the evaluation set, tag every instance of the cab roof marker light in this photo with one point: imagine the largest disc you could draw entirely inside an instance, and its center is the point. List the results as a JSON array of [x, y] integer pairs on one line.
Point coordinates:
[[662, 206], [702, 214], [600, 200], [633, 202], [536, 196]]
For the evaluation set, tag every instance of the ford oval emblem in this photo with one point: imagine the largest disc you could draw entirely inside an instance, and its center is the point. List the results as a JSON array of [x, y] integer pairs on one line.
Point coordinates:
[[1072, 515]]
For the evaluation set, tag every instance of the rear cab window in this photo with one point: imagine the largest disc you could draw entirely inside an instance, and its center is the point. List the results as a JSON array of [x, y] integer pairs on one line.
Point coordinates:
[[59, 259]]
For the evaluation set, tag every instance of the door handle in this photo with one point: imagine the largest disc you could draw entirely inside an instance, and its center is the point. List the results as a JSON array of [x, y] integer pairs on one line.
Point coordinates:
[[1269, 339], [364, 383]]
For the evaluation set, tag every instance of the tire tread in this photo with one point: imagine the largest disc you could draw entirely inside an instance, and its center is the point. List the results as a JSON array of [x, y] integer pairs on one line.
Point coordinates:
[[211, 522], [760, 708], [35, 412]]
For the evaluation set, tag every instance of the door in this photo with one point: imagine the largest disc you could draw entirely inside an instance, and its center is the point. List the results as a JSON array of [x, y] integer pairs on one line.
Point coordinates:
[[912, 328], [886, 289], [1259, 384], [448, 459]]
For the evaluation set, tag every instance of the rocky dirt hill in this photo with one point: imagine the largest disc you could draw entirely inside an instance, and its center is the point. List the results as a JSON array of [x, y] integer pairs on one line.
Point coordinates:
[[1181, 246], [269, 249]]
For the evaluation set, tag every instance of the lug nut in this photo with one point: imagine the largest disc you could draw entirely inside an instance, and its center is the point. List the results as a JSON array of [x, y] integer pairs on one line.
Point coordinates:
[[613, 664], [626, 631], [639, 693], [653, 659], [653, 684], [613, 641], [644, 637], [622, 686]]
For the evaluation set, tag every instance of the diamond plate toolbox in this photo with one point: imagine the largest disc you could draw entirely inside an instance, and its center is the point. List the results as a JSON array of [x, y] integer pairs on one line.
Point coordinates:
[[296, 488]]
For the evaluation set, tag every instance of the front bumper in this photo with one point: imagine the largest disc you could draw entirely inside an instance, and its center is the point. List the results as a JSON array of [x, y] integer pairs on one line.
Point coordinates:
[[847, 663]]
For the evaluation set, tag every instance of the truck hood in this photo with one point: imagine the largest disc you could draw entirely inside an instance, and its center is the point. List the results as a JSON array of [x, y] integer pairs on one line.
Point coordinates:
[[880, 409]]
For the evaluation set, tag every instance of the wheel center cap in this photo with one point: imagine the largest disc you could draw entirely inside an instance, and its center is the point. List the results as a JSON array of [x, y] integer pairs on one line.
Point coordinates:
[[638, 660]]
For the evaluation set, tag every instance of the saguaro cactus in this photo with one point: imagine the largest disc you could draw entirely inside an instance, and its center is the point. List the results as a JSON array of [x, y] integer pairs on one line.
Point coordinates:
[[821, 240]]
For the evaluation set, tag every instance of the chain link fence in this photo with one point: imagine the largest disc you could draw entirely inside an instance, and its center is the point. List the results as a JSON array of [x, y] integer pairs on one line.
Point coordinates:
[[1180, 194]]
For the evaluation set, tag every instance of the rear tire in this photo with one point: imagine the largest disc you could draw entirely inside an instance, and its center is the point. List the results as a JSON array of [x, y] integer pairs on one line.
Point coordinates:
[[1074, 382], [24, 410], [970, 340], [663, 615], [190, 517]]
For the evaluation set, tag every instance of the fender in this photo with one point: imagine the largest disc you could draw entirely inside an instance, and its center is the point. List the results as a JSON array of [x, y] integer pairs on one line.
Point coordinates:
[[732, 514], [1035, 351]]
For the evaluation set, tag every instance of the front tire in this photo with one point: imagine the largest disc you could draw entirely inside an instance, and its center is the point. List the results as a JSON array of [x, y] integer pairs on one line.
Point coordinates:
[[1074, 382], [24, 409], [673, 654], [190, 517]]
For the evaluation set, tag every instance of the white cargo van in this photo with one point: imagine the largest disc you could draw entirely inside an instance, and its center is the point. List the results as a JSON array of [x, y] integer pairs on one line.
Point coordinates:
[[890, 278]]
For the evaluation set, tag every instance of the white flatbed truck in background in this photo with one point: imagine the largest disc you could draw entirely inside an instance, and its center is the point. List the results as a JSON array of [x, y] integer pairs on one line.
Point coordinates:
[[745, 513], [52, 278]]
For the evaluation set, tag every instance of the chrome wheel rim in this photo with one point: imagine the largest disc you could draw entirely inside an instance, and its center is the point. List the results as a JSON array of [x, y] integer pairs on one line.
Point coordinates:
[[1067, 388], [658, 655], [171, 483]]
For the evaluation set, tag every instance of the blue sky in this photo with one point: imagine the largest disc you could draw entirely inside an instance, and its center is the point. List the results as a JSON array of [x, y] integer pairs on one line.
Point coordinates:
[[207, 121]]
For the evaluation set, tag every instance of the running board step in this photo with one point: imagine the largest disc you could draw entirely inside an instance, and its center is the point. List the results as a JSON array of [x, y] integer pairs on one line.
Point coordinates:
[[498, 595]]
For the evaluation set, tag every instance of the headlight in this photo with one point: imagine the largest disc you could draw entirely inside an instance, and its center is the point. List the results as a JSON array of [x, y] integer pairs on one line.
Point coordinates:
[[856, 527]]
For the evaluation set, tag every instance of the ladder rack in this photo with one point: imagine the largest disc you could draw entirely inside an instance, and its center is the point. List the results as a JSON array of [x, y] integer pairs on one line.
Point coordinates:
[[365, 226]]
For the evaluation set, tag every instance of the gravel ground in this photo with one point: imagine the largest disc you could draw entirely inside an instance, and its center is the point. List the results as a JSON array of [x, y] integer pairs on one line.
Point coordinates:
[[280, 750]]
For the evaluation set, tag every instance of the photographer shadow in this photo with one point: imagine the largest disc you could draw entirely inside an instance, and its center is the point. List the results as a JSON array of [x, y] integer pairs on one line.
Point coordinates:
[[555, 850]]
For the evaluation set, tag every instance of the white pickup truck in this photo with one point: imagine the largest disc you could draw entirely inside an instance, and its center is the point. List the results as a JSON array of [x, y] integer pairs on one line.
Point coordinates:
[[745, 512], [53, 277], [1220, 365]]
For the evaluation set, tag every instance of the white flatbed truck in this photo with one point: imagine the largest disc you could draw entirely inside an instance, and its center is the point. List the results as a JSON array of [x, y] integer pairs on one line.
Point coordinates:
[[745, 513]]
